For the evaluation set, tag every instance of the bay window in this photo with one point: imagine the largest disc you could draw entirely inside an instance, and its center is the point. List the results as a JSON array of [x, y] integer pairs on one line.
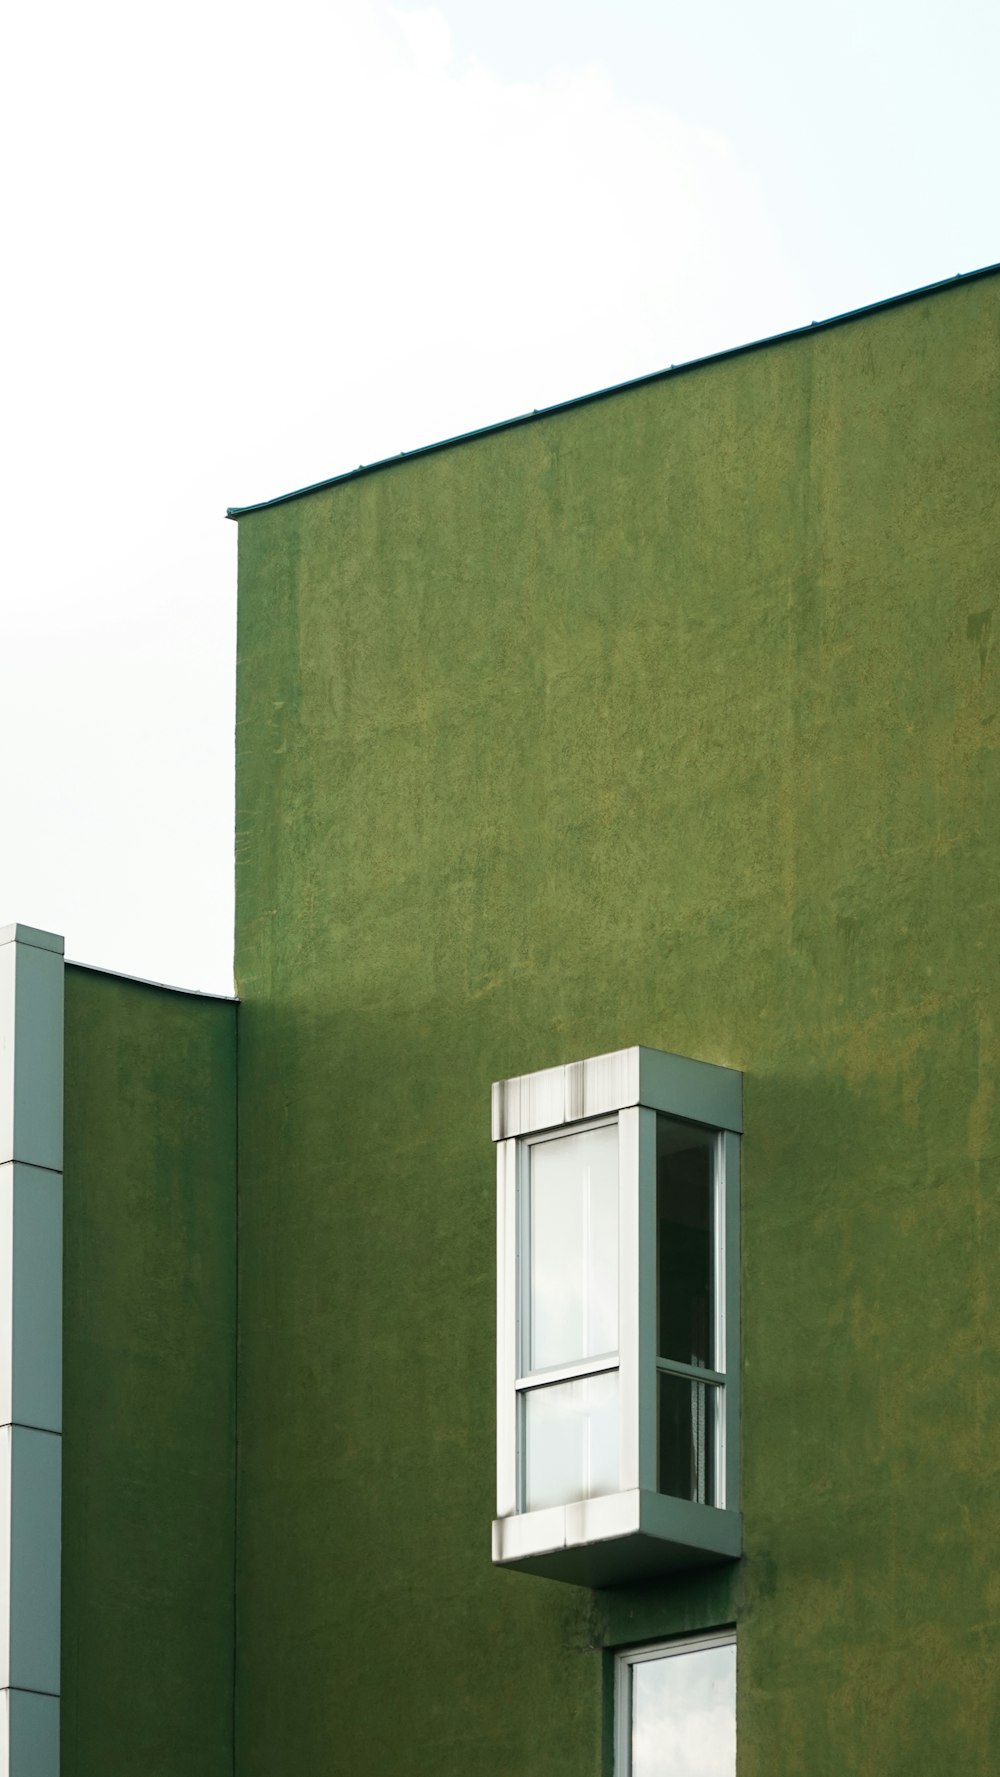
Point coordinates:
[[617, 1316]]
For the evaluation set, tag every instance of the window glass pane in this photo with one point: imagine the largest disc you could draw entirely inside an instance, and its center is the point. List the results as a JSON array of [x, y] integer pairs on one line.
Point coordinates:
[[570, 1441], [685, 1233], [687, 1438], [573, 1248], [684, 1714]]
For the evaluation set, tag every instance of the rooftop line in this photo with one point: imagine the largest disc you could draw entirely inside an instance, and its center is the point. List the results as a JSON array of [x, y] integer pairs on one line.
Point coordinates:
[[636, 382]]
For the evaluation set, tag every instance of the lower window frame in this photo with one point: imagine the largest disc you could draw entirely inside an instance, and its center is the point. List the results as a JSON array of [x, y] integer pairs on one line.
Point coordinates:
[[626, 1659]]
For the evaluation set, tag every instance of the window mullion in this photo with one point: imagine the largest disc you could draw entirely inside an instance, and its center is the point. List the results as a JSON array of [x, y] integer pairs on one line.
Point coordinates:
[[729, 1295], [507, 1329], [628, 1326]]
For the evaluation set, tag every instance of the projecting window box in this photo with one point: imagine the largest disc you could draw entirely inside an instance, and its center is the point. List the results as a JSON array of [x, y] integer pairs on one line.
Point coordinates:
[[618, 1317]]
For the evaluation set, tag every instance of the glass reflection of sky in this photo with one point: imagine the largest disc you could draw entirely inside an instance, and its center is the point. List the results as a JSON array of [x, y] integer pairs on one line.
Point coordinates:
[[571, 1441], [684, 1715], [573, 1248]]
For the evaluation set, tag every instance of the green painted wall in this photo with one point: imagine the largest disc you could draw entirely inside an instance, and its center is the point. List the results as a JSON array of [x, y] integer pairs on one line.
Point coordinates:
[[149, 1381], [671, 719]]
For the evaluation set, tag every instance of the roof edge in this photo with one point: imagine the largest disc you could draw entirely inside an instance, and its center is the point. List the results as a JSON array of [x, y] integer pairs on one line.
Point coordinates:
[[197, 993], [635, 382]]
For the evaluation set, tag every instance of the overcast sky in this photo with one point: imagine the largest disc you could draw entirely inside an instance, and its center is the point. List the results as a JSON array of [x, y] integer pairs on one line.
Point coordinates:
[[248, 246]]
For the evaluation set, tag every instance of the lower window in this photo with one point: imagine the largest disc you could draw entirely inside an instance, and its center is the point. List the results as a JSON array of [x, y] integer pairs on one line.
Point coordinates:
[[675, 1709]]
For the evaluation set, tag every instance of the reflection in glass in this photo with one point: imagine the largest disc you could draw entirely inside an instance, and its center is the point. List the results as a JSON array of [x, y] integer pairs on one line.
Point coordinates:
[[570, 1441], [573, 1248], [684, 1714], [685, 1236], [687, 1438]]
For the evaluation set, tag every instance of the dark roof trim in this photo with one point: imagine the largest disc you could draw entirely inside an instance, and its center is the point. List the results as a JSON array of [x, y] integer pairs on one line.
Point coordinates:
[[637, 382]]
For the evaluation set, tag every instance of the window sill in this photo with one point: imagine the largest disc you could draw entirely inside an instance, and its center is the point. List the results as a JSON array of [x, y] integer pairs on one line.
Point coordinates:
[[616, 1539]]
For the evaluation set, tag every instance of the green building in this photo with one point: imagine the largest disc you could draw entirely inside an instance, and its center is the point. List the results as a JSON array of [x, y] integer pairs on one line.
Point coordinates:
[[631, 768]]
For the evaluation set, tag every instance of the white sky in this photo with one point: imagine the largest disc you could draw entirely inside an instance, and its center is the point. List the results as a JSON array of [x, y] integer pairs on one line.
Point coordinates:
[[249, 246]]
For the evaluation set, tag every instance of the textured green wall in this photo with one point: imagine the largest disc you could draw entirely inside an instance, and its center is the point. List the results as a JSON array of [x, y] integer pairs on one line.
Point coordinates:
[[671, 719], [149, 1381]]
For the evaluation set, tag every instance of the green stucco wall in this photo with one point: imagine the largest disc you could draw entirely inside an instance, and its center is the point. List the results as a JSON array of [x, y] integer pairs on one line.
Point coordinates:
[[671, 719], [149, 1381]]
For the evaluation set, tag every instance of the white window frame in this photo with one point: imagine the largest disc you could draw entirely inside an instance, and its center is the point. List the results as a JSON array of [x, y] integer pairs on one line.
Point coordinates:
[[525, 1379], [625, 1664], [638, 1529]]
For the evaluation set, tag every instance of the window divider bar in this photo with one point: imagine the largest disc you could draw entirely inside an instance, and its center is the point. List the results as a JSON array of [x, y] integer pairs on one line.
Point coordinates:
[[594, 1366], [671, 1367]]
